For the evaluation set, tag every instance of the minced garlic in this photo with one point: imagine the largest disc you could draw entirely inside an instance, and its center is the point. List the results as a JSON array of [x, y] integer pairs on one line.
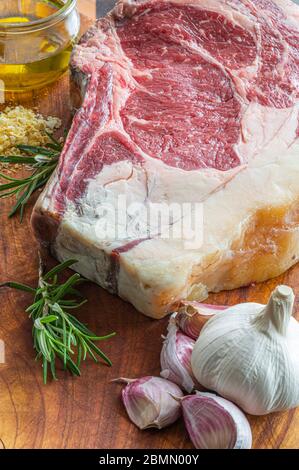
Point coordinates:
[[20, 125]]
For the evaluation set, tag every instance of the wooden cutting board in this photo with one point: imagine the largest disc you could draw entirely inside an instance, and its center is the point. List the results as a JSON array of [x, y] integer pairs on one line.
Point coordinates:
[[86, 412]]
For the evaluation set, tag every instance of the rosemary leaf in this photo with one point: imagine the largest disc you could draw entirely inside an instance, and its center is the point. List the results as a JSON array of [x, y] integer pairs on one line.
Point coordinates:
[[17, 159], [55, 143], [35, 149], [17, 285], [58, 269]]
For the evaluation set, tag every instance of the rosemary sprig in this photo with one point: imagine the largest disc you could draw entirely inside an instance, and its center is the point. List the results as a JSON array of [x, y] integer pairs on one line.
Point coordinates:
[[57, 334], [43, 160]]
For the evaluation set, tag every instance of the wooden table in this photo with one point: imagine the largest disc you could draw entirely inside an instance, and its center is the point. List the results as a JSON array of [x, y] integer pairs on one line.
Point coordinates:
[[87, 412]]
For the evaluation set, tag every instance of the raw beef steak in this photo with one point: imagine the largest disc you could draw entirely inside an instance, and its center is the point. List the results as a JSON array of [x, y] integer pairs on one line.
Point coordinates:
[[186, 104]]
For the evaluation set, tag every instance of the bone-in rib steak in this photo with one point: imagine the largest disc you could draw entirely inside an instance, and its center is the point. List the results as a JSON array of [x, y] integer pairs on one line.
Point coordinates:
[[186, 103]]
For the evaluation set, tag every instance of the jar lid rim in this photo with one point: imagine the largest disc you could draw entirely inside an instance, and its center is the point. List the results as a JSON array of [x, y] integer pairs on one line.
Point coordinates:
[[41, 23]]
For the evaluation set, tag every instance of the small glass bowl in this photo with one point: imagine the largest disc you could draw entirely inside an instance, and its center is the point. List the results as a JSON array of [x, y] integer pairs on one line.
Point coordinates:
[[36, 40]]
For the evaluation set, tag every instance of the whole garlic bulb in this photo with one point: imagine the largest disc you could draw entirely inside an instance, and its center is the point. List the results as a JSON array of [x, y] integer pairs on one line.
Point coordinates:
[[250, 354], [215, 423]]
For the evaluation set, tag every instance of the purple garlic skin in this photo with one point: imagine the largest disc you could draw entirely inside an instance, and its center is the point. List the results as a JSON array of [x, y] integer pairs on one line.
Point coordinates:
[[213, 422], [175, 358], [149, 401], [192, 316]]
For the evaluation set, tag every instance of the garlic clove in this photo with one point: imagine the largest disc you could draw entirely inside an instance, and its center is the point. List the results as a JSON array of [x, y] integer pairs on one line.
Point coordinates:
[[215, 423], [250, 355], [244, 435], [149, 401], [192, 316], [175, 358]]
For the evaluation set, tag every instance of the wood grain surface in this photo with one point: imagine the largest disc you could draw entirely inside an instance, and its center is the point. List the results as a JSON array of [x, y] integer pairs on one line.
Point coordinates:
[[86, 412]]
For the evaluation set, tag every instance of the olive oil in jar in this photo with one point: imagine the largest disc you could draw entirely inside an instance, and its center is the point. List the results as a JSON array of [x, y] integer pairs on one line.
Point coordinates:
[[36, 40]]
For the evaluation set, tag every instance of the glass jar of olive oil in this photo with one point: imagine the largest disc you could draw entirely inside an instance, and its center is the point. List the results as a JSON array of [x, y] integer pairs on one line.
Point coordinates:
[[36, 40]]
